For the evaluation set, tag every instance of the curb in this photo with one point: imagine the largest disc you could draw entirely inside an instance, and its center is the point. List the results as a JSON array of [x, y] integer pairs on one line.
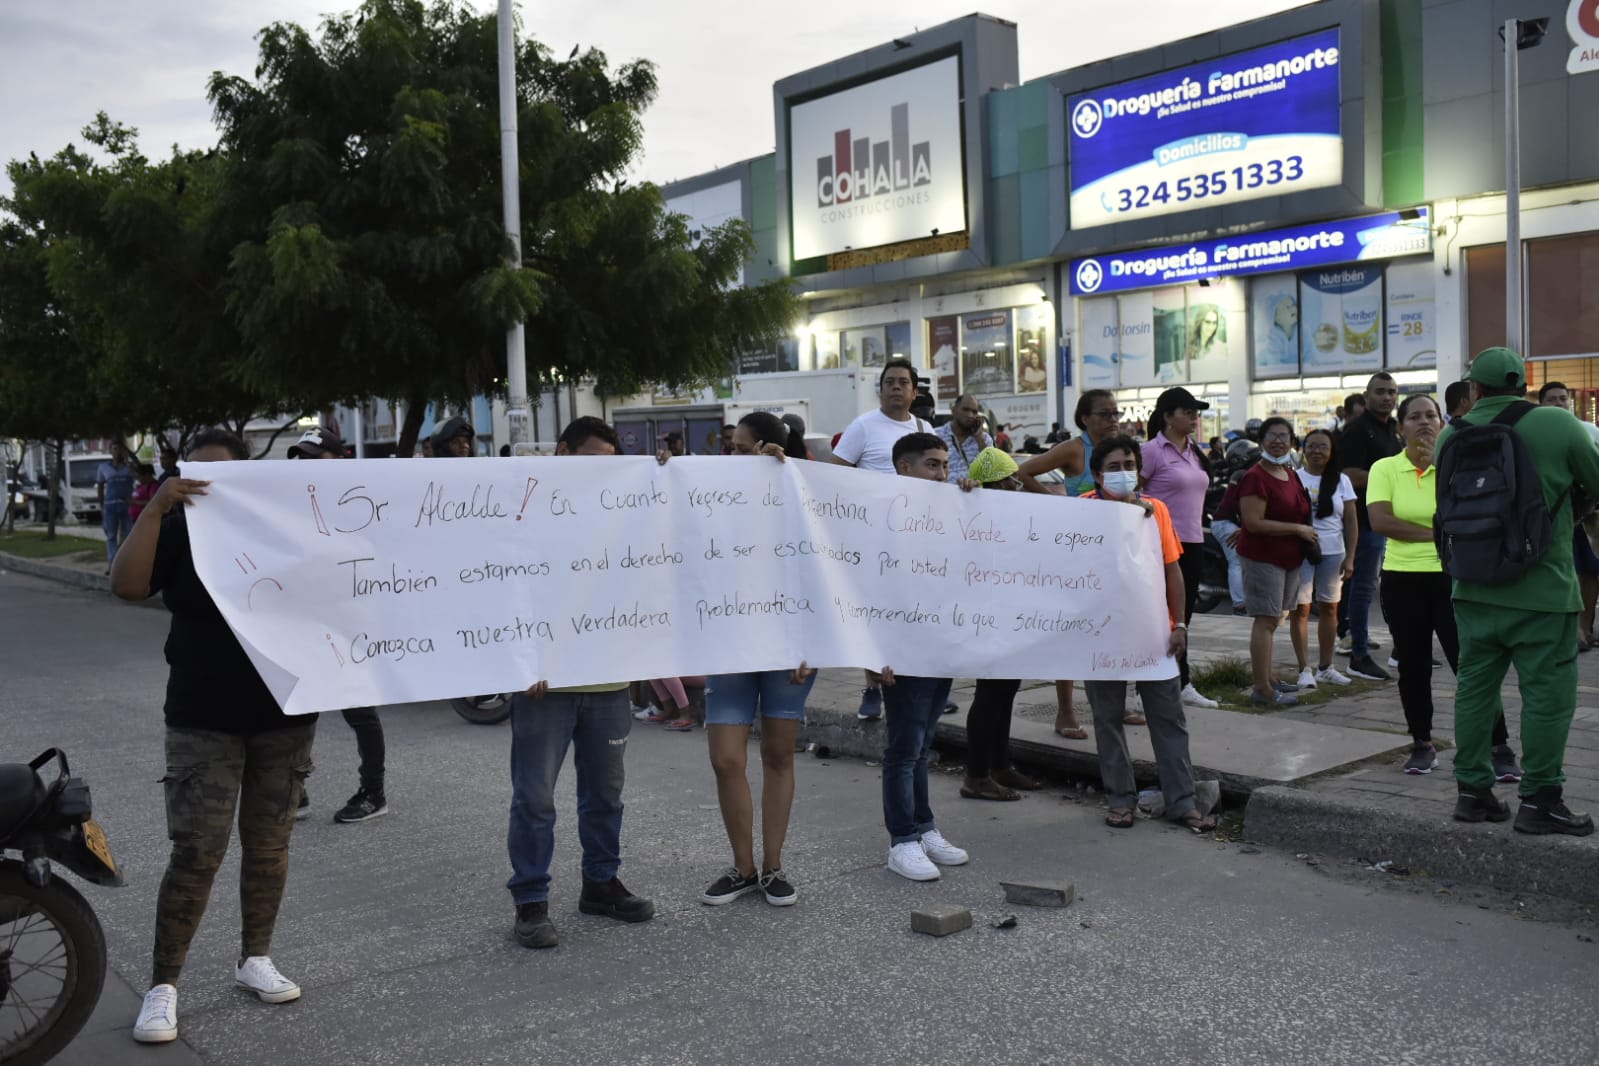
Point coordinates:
[[1484, 854], [67, 575]]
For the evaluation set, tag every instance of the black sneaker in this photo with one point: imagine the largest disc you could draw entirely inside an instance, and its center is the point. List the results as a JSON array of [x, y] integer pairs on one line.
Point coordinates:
[[613, 900], [1362, 666], [871, 704], [304, 809], [1506, 772], [533, 927], [363, 806], [779, 893], [730, 886], [1480, 805], [1544, 812], [1423, 759]]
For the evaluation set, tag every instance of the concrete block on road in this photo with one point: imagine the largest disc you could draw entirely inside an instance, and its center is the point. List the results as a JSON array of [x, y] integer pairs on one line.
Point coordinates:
[[940, 919], [1039, 893], [1428, 840]]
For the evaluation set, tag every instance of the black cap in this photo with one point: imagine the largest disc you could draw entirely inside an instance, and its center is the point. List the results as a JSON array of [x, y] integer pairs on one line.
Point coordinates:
[[1180, 399], [314, 441]]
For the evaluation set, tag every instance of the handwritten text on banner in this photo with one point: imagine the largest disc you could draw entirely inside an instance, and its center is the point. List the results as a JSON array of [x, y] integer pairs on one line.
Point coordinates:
[[379, 581]]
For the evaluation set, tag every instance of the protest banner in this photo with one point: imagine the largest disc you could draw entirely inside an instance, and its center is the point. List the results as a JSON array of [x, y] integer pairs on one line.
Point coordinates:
[[387, 581]]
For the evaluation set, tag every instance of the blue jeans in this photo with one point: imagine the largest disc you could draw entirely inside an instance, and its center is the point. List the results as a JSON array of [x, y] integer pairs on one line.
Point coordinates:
[[911, 709], [117, 525], [595, 725], [1222, 529], [1369, 551]]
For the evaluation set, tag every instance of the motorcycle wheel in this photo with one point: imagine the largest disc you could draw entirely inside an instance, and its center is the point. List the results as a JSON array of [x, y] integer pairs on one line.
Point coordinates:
[[52, 966], [484, 710]]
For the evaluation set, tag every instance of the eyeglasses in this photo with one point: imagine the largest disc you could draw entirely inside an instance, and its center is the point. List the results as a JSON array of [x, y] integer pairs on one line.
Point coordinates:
[[1114, 415]]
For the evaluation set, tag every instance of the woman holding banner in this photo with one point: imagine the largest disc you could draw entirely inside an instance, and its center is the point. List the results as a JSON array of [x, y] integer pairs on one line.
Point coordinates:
[[731, 704], [229, 751]]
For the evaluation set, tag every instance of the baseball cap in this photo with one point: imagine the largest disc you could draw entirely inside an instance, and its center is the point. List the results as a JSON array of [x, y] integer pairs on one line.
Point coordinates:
[[1180, 399], [1498, 368], [314, 441]]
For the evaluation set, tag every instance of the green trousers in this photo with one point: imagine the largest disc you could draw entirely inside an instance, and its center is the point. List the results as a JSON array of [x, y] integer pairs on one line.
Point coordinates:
[[1543, 647]]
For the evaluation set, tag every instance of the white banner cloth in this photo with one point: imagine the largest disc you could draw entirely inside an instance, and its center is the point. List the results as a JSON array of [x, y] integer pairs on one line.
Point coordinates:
[[358, 582]]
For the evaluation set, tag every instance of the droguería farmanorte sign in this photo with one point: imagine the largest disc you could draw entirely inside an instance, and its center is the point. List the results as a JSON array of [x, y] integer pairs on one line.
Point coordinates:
[[1253, 124], [878, 163]]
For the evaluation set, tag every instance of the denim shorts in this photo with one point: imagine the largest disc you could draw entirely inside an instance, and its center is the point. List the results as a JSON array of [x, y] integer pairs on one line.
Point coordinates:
[[1323, 579], [733, 699]]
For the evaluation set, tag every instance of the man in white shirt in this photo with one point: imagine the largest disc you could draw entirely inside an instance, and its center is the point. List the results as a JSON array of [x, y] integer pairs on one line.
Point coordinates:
[[868, 442]]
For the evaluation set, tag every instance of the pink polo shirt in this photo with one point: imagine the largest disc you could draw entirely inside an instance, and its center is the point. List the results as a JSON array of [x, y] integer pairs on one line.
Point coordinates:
[[1179, 480]]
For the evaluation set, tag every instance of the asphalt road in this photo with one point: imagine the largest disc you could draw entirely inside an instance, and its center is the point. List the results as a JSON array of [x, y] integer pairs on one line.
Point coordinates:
[[1177, 950]]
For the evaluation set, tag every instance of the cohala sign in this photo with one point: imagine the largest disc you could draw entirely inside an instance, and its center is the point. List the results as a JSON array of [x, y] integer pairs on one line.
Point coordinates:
[[1582, 22], [887, 158]]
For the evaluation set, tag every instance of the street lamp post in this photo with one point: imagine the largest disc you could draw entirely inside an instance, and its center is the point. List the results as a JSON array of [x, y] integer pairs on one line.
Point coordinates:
[[515, 342], [1518, 34]]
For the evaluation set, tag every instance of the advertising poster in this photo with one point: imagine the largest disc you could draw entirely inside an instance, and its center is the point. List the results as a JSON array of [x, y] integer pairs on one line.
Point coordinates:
[[1412, 316], [1033, 347], [943, 340], [827, 350], [1253, 124], [1096, 336], [1274, 309], [1340, 320], [1170, 335], [988, 366], [864, 347], [1136, 339], [1215, 314], [879, 163]]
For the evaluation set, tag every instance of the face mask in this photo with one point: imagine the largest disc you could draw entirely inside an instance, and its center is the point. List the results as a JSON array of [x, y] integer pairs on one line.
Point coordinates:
[[1281, 460], [1120, 483]]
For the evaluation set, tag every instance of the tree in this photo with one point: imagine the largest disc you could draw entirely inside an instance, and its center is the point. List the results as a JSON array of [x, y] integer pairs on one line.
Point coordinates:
[[138, 256], [362, 172]]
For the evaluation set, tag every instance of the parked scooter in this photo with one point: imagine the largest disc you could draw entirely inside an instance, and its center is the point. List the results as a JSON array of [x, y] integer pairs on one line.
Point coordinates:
[[491, 709], [52, 949]]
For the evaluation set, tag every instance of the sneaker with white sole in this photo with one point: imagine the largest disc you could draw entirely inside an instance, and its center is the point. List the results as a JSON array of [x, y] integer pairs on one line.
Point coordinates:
[[1362, 667], [1307, 678], [158, 1018], [911, 862], [1346, 646], [942, 851], [1330, 675], [261, 977], [1192, 697], [1423, 759]]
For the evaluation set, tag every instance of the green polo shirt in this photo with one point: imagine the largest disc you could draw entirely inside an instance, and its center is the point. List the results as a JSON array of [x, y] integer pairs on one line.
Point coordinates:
[[1413, 494], [1565, 455]]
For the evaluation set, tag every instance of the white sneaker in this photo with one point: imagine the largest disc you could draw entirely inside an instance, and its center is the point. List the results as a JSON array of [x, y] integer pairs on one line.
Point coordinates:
[[1393, 664], [261, 977], [1331, 676], [1135, 701], [911, 862], [158, 1018], [1193, 698], [1346, 646], [1307, 678], [942, 851]]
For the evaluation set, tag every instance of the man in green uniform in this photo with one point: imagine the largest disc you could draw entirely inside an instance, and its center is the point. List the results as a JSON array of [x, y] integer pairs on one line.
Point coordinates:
[[1531, 621]]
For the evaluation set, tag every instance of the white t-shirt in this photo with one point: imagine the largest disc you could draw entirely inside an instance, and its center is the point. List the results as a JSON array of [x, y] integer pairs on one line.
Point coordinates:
[[1330, 530], [868, 442]]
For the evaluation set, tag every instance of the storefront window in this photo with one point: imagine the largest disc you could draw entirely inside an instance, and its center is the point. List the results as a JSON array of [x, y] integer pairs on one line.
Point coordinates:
[[865, 347], [988, 365], [1562, 278]]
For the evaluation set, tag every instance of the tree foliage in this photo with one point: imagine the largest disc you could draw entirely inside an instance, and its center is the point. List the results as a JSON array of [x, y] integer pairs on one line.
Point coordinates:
[[345, 239]]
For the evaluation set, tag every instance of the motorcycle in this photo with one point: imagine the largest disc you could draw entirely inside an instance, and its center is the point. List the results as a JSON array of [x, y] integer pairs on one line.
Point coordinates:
[[52, 949], [491, 709]]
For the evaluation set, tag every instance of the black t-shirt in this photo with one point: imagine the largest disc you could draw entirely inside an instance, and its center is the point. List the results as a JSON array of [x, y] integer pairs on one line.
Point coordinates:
[[1361, 444], [212, 684]]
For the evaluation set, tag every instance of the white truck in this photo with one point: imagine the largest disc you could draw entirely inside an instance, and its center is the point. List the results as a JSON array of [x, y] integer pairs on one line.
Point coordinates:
[[79, 501]]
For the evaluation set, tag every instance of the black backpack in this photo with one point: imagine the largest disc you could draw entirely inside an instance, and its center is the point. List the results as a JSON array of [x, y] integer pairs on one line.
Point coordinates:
[[1492, 524]]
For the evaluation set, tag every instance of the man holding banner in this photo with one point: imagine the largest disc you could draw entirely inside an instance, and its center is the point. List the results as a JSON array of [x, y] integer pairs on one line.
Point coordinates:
[[594, 721]]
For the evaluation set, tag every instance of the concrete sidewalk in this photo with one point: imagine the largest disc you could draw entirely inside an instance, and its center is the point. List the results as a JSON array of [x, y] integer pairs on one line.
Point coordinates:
[[1325, 778]]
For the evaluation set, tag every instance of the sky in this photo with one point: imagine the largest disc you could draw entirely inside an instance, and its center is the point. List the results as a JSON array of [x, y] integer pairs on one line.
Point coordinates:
[[146, 63]]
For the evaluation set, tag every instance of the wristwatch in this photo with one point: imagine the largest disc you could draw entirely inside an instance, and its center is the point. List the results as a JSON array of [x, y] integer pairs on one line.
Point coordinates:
[[1181, 625]]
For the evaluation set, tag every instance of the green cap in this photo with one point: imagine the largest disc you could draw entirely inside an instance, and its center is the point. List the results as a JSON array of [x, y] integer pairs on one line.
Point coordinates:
[[1498, 368], [991, 464]]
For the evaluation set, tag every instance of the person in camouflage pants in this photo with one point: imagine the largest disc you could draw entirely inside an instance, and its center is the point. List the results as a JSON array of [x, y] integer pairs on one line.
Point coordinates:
[[209, 775]]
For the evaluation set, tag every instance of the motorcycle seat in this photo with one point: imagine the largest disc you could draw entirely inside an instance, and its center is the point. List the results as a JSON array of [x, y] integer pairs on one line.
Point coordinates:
[[20, 792]]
